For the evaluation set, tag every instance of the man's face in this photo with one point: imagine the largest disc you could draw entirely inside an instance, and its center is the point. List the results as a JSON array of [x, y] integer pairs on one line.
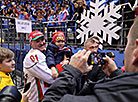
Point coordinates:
[[92, 46], [131, 55], [39, 44], [7, 65]]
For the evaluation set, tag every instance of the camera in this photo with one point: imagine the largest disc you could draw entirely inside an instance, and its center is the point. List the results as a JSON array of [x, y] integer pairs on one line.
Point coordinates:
[[96, 59]]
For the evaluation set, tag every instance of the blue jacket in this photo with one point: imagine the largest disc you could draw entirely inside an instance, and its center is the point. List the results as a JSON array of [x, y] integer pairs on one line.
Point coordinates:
[[54, 55]]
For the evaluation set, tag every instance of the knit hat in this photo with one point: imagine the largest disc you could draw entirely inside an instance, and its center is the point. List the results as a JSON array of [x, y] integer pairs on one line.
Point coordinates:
[[58, 36], [35, 35]]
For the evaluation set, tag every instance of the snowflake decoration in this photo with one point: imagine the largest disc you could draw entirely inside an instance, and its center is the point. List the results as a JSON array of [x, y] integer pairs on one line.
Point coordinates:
[[100, 19]]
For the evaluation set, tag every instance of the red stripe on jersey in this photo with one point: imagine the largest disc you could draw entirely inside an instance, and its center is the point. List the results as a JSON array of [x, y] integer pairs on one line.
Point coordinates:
[[40, 93]]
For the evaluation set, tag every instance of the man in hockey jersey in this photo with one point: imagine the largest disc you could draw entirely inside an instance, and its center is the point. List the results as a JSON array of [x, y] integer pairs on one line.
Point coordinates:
[[36, 70]]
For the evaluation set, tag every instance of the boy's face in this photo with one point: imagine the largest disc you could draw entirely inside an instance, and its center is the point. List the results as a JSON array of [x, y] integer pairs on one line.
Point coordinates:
[[60, 43], [8, 65]]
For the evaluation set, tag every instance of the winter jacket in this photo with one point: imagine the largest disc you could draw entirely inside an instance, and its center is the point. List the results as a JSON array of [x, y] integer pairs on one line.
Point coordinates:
[[121, 88], [54, 55], [95, 74]]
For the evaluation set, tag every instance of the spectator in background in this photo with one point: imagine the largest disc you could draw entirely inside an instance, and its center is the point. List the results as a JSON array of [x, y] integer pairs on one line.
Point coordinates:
[[78, 8], [57, 14], [44, 18], [22, 14], [40, 15], [34, 16], [51, 17], [57, 52], [92, 44], [96, 74], [35, 69], [14, 14], [63, 15]]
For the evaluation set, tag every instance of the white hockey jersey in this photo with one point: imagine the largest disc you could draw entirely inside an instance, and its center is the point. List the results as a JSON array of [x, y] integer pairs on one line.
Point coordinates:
[[37, 72]]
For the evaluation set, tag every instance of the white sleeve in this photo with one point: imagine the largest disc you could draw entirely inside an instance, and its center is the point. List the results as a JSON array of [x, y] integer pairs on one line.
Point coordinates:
[[35, 63]]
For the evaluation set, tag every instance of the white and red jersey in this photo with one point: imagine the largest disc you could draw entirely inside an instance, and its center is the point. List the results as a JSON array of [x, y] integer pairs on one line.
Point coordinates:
[[37, 72]]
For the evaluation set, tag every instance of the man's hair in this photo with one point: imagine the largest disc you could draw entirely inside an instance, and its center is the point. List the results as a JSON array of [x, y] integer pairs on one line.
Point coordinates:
[[91, 39], [5, 53], [134, 31]]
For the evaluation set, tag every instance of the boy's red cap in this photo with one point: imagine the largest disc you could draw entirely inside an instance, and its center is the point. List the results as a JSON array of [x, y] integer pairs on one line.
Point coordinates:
[[35, 35], [57, 36]]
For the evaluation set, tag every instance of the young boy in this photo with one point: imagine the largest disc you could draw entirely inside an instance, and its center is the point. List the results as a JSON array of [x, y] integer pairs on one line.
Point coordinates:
[[57, 53], [7, 64]]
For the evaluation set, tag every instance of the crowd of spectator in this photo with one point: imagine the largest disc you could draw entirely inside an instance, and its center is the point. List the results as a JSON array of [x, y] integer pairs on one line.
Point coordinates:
[[42, 10], [45, 10]]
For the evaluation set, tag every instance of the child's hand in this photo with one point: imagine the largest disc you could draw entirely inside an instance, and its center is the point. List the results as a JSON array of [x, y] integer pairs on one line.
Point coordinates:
[[54, 73], [64, 62]]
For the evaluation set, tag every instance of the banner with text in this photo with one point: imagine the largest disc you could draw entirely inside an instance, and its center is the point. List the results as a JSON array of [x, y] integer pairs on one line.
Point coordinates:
[[23, 26]]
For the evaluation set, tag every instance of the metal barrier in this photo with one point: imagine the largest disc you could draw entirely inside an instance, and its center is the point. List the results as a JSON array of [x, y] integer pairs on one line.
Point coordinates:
[[18, 43], [68, 27]]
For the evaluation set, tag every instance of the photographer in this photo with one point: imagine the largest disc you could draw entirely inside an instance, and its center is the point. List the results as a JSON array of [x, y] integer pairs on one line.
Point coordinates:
[[92, 44], [96, 59]]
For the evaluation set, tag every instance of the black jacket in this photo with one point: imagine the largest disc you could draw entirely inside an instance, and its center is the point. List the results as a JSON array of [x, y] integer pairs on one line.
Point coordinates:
[[94, 75], [54, 55], [122, 88]]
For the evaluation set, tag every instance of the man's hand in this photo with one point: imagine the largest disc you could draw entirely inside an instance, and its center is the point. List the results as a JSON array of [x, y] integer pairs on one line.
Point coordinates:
[[109, 67], [25, 95], [79, 60], [54, 73]]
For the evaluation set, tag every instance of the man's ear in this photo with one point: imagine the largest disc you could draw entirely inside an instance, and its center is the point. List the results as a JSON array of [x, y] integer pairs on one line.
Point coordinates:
[[31, 43], [134, 61]]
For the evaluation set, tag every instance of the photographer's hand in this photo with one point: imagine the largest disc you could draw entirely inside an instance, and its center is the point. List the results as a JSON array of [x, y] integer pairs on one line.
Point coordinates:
[[79, 60], [109, 67], [88, 69]]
